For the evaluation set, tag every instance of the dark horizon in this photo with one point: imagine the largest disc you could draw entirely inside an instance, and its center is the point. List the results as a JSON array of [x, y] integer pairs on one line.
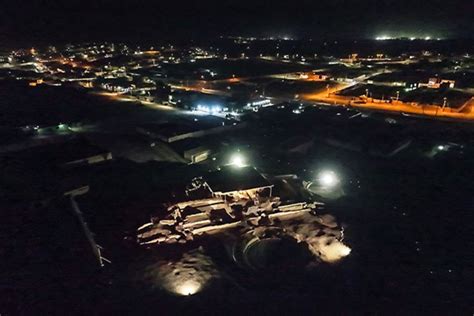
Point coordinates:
[[41, 22]]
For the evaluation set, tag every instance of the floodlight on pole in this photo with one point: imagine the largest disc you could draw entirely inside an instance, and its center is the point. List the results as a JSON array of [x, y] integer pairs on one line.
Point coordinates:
[[237, 160], [327, 179]]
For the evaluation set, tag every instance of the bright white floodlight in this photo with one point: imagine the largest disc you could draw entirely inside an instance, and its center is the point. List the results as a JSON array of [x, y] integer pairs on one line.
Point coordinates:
[[237, 160], [328, 179]]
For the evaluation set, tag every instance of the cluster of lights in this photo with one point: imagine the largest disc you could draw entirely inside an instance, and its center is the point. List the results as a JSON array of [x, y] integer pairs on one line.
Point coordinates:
[[209, 109], [388, 38], [262, 103], [383, 38]]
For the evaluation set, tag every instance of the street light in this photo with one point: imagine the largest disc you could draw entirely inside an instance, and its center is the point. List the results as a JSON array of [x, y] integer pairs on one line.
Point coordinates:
[[445, 103], [237, 160], [326, 184], [327, 179]]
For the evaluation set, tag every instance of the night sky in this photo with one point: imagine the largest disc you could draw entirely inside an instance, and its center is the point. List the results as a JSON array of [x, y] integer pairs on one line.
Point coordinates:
[[44, 21]]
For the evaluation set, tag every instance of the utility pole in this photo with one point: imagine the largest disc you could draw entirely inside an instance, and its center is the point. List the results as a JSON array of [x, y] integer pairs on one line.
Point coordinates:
[[96, 249], [445, 103]]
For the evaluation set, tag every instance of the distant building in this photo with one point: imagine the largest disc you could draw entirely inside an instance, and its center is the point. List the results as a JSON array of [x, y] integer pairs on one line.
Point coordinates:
[[258, 103], [320, 77], [67, 154], [119, 85], [436, 83], [233, 182], [172, 132], [126, 85], [351, 59], [191, 149], [77, 153], [198, 154], [4, 60]]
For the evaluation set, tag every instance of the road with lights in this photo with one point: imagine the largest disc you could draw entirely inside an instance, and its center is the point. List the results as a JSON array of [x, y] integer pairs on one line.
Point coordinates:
[[331, 97]]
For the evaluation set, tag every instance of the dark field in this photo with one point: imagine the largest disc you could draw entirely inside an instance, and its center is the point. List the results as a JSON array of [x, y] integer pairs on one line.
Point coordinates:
[[45, 105]]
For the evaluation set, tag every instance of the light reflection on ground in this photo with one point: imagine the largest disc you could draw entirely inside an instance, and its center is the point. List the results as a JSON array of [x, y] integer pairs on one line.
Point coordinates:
[[185, 276]]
